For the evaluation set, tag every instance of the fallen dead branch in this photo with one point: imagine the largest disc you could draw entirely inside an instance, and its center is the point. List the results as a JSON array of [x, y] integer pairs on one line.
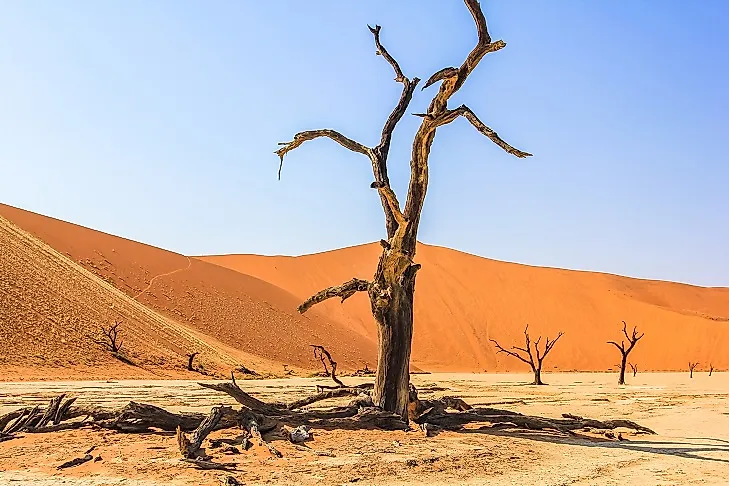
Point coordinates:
[[79, 460], [263, 421]]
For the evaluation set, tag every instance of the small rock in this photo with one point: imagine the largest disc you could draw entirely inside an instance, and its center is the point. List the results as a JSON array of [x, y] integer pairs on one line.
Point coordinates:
[[98, 458]]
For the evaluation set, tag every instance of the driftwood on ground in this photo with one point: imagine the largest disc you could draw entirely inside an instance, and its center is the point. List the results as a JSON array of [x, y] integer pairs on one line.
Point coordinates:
[[258, 419]]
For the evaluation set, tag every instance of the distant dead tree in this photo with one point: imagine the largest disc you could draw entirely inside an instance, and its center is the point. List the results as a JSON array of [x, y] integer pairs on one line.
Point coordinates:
[[536, 365], [691, 368], [633, 340], [190, 357], [323, 355], [711, 369], [110, 339], [634, 368], [392, 288]]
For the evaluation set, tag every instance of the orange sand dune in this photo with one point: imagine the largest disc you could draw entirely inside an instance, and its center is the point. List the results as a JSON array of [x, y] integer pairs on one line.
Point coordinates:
[[254, 321], [463, 301], [51, 311]]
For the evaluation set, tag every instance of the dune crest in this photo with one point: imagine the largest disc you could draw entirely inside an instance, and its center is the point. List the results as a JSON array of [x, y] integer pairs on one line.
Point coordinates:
[[462, 301]]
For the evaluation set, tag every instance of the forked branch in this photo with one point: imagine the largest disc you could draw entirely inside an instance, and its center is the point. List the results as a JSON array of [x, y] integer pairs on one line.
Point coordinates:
[[469, 115], [111, 340], [344, 291], [320, 352], [527, 356]]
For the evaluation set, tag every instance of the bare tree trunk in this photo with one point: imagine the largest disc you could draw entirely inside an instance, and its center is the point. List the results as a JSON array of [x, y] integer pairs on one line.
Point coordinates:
[[538, 376], [391, 291], [393, 312], [623, 362]]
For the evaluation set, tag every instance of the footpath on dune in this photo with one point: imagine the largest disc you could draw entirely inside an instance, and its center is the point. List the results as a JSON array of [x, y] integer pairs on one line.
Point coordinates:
[[462, 301], [251, 319]]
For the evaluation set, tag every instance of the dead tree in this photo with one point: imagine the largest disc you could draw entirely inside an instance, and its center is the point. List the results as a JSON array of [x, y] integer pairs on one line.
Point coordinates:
[[633, 340], [711, 369], [528, 358], [259, 418], [391, 291], [691, 368], [110, 338], [634, 368], [323, 355], [190, 357]]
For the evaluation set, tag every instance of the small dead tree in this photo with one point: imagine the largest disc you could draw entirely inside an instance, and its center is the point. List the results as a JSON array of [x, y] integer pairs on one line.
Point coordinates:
[[110, 339], [711, 369], [323, 355], [691, 368], [634, 368], [190, 358], [392, 288], [633, 340], [536, 365]]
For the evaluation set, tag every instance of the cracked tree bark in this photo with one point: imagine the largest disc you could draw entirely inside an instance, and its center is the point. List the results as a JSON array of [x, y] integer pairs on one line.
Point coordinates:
[[391, 291]]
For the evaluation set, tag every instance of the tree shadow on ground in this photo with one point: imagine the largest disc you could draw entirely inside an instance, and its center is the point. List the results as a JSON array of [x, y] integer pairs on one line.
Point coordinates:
[[686, 450]]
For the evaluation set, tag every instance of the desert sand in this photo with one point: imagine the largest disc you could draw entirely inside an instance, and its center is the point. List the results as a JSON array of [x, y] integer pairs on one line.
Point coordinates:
[[689, 416], [462, 301], [61, 282]]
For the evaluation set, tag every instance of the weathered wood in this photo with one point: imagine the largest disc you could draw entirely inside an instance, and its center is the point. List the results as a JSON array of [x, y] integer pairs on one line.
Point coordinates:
[[209, 465], [624, 352], [320, 352], [344, 291], [63, 410], [391, 291], [250, 423], [50, 411], [496, 417], [78, 461], [231, 388], [634, 368], [110, 339], [692, 366], [22, 421], [189, 448], [528, 357], [190, 358]]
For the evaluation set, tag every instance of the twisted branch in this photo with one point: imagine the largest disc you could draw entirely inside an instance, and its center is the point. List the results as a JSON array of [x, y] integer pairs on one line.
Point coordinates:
[[345, 291], [469, 115], [305, 136]]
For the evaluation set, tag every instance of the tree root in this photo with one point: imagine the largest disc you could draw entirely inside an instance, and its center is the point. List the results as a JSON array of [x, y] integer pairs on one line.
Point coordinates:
[[260, 418]]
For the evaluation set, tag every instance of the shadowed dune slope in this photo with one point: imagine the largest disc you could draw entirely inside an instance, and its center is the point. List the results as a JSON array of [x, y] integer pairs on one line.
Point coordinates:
[[463, 301], [51, 311], [252, 319]]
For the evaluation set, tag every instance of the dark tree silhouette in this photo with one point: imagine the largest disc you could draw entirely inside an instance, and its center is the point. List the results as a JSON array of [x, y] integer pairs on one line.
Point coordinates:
[[110, 339], [190, 358], [528, 356], [633, 340], [634, 368], [711, 369], [391, 291], [323, 355], [691, 368]]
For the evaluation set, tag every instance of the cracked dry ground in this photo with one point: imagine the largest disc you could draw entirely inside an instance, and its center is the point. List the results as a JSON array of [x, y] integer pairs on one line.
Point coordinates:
[[689, 415]]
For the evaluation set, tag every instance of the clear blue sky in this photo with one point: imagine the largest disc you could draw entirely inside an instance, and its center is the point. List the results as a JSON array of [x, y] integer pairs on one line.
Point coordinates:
[[157, 121]]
